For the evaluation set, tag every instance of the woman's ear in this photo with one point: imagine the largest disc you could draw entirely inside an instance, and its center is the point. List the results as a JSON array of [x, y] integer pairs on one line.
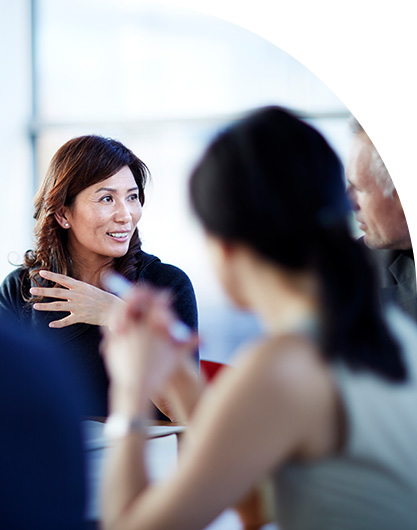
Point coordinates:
[[226, 258], [61, 217], [219, 250]]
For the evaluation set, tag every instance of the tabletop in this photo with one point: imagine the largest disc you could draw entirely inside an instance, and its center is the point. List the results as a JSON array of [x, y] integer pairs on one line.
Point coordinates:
[[161, 456]]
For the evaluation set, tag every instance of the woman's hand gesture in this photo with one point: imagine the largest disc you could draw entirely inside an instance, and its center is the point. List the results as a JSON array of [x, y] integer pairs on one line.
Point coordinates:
[[84, 302]]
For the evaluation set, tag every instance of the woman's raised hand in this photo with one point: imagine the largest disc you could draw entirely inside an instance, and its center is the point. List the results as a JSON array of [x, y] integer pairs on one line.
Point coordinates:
[[84, 302], [140, 352]]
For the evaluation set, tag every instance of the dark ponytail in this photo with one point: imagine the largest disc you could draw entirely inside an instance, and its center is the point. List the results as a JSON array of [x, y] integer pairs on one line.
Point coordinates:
[[353, 329]]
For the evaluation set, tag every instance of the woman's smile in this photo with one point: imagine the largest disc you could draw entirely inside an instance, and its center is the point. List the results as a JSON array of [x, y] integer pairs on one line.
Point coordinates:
[[119, 236]]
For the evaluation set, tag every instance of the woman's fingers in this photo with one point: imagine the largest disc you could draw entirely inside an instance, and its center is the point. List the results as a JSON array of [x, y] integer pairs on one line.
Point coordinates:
[[66, 281], [52, 306], [51, 292], [64, 322], [87, 303]]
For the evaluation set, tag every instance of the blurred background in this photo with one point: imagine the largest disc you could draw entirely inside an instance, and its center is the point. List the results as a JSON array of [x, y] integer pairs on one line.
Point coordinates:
[[162, 80]]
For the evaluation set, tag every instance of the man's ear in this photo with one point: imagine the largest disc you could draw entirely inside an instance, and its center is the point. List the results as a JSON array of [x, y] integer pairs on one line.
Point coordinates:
[[61, 217]]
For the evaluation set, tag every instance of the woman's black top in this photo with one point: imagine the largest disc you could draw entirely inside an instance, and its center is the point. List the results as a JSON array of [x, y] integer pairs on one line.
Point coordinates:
[[81, 341]]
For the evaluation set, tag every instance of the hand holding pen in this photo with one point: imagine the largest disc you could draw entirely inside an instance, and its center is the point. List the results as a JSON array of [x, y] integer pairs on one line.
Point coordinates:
[[120, 286]]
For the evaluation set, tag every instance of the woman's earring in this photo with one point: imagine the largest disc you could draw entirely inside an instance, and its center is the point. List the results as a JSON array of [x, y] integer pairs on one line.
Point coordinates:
[[66, 225]]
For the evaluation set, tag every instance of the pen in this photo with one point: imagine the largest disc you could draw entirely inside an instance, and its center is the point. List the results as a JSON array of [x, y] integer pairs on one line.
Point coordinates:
[[120, 286]]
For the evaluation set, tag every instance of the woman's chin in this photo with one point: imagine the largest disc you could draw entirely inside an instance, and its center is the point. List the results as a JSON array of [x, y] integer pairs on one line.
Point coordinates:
[[118, 252]]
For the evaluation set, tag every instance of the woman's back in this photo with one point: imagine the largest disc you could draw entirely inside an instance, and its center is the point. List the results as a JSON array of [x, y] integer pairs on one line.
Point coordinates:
[[372, 481]]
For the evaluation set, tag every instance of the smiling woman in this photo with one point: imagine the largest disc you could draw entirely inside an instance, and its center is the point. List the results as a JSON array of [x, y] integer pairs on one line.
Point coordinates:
[[111, 209], [87, 210]]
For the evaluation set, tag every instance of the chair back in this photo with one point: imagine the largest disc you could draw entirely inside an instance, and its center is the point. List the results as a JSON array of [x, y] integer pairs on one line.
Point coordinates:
[[211, 368]]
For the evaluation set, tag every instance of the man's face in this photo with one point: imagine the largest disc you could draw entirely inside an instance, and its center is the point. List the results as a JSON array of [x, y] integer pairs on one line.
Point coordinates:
[[380, 218]]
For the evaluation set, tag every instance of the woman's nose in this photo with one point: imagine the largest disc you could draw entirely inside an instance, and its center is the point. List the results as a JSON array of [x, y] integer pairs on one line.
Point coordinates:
[[122, 213]]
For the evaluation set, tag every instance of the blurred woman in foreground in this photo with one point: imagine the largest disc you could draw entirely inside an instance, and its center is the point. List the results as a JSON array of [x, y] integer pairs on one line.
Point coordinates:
[[324, 403], [87, 210]]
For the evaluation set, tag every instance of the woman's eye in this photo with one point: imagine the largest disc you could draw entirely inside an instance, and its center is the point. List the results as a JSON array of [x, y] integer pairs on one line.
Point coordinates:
[[133, 197], [107, 199]]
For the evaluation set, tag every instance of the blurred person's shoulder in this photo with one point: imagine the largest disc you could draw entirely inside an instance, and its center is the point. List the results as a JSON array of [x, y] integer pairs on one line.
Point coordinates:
[[40, 430]]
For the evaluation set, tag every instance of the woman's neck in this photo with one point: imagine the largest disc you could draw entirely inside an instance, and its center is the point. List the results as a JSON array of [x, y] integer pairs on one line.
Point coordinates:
[[297, 315], [90, 271]]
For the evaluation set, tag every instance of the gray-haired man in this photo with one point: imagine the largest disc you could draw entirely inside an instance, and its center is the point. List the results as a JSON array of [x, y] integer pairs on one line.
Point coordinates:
[[381, 217]]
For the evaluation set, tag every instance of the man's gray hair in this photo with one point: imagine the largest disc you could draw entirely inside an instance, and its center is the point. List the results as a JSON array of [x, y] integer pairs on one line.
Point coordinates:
[[377, 166]]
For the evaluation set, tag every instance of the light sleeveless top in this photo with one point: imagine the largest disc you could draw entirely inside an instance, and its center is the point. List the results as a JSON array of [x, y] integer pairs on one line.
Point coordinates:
[[371, 484]]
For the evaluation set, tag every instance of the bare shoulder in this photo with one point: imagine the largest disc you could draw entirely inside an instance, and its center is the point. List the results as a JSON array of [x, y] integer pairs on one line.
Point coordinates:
[[289, 374], [278, 403]]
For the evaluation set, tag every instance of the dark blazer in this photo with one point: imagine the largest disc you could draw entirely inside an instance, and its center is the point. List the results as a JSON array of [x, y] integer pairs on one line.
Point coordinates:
[[41, 454], [396, 274]]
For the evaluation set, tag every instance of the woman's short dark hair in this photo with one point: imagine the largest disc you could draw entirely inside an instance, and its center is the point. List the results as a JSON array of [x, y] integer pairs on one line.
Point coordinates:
[[78, 164], [272, 181]]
